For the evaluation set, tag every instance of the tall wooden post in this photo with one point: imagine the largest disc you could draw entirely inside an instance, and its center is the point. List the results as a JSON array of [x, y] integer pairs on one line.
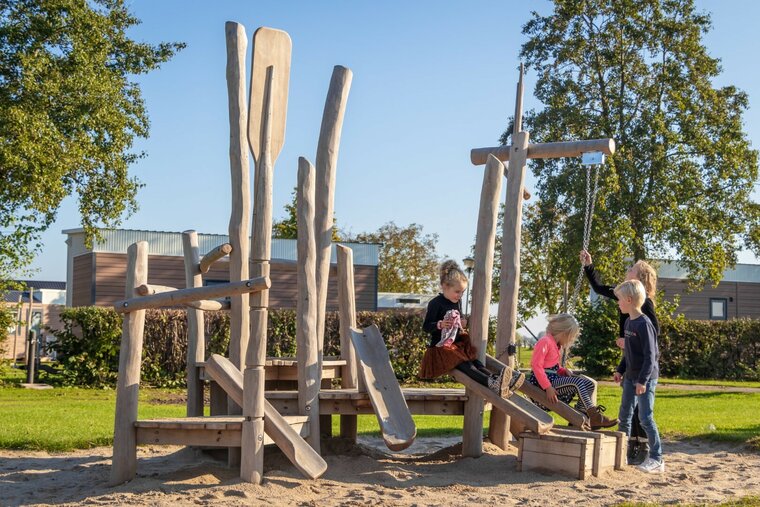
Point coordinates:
[[17, 331], [490, 194], [347, 314], [29, 312], [124, 462], [326, 166], [307, 345], [239, 225], [196, 341]]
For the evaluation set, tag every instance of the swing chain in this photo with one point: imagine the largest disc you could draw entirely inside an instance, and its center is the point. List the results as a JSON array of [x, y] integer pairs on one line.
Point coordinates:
[[590, 203]]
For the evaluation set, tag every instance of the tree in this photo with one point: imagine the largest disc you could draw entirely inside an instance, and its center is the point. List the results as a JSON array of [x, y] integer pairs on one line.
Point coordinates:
[[408, 260], [68, 116], [287, 228], [680, 182]]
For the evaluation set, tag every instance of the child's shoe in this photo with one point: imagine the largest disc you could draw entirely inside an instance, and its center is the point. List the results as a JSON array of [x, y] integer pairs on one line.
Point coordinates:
[[597, 419], [516, 380], [652, 466], [641, 454], [633, 451], [494, 382]]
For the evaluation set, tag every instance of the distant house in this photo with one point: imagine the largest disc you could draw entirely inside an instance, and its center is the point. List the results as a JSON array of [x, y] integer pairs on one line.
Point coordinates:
[[47, 301], [96, 276], [736, 296]]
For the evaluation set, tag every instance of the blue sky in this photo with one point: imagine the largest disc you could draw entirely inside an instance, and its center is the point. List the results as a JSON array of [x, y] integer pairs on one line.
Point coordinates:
[[431, 81]]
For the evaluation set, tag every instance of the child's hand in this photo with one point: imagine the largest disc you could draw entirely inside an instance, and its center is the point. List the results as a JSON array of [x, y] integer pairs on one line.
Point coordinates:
[[617, 377], [620, 342], [464, 323], [444, 324], [640, 389], [585, 258], [551, 394]]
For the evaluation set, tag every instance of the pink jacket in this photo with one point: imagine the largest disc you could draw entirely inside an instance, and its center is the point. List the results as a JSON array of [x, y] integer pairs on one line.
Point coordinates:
[[545, 355]]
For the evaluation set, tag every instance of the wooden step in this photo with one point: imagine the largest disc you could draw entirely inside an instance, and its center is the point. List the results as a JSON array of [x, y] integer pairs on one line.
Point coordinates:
[[215, 431]]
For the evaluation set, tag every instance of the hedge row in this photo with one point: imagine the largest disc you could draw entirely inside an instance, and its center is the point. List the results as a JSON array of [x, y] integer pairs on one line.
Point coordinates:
[[688, 348], [88, 344]]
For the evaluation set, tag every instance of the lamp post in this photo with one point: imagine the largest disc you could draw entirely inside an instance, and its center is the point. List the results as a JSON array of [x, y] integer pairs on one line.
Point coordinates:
[[469, 265]]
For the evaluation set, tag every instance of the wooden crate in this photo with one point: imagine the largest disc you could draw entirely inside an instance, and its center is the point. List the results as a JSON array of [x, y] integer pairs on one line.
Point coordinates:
[[609, 447], [566, 455]]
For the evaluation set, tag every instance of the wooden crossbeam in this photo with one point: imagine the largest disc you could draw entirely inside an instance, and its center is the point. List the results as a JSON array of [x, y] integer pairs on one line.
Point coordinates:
[[479, 156], [183, 296], [148, 289]]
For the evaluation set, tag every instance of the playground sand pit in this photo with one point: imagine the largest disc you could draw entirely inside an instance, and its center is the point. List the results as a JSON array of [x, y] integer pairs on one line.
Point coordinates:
[[430, 473]]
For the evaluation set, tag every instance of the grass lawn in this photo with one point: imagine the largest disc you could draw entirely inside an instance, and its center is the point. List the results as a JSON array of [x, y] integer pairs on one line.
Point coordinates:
[[67, 418]]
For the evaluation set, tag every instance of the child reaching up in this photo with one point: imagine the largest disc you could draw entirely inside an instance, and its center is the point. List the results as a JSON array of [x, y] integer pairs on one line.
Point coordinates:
[[450, 345], [560, 383]]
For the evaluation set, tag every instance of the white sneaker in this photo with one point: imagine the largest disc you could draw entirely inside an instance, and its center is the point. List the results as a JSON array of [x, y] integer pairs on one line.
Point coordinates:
[[651, 466]]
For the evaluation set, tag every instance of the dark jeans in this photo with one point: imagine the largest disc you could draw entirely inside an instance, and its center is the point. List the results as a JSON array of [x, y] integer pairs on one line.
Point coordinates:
[[475, 370]]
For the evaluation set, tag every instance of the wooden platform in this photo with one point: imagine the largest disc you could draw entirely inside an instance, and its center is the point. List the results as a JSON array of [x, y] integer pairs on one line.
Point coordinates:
[[215, 431], [350, 401]]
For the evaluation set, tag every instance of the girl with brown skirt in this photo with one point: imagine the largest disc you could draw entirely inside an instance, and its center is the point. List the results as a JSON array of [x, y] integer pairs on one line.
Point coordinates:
[[450, 345]]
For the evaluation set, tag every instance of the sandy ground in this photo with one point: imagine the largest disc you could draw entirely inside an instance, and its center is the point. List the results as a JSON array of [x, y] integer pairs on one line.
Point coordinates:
[[429, 473]]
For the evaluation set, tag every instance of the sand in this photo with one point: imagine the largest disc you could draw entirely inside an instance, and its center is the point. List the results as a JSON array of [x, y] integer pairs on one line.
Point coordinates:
[[429, 473]]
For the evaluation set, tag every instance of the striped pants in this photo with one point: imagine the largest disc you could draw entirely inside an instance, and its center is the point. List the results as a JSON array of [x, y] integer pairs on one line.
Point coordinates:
[[569, 387]]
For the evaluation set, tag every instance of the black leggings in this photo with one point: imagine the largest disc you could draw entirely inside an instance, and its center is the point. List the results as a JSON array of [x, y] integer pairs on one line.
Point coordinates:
[[475, 370]]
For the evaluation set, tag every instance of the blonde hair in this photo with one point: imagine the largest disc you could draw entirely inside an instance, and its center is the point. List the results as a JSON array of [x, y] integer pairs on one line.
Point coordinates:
[[633, 289], [563, 323], [647, 276], [451, 273]]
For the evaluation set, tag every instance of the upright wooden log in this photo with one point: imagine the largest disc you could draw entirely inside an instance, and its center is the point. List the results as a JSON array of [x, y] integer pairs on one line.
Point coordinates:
[[347, 314], [490, 193], [17, 331], [326, 165], [510, 274], [239, 225], [270, 71], [29, 312], [196, 341], [307, 347], [124, 462]]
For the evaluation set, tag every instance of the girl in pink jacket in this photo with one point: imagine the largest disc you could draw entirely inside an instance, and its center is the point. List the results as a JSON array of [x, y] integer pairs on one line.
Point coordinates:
[[561, 383]]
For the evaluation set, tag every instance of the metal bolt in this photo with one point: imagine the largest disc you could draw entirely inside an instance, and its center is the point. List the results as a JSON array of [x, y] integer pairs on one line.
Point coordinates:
[[247, 284]]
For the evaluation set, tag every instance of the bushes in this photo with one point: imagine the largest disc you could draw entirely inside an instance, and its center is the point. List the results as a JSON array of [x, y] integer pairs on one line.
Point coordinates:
[[688, 348], [88, 344]]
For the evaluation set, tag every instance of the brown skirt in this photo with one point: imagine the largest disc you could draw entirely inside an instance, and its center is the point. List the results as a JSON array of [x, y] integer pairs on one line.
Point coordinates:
[[439, 361]]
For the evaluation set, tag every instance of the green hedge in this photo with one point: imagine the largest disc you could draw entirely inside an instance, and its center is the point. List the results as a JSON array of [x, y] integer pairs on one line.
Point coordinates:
[[88, 344], [688, 348]]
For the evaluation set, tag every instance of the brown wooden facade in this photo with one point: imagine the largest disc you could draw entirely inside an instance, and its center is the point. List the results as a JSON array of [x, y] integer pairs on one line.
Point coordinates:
[[739, 299], [99, 279]]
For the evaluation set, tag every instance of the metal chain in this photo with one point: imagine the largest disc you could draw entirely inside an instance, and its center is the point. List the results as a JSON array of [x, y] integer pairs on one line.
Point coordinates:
[[590, 202]]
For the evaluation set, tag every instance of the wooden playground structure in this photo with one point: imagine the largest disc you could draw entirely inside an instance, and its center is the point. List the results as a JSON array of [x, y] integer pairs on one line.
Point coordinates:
[[245, 415]]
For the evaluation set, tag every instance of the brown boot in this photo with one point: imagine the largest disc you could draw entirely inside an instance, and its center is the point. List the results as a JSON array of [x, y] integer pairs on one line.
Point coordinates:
[[597, 418]]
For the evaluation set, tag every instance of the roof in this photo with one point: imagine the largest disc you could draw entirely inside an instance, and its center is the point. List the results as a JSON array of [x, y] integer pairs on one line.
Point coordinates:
[[40, 284], [749, 273], [170, 243]]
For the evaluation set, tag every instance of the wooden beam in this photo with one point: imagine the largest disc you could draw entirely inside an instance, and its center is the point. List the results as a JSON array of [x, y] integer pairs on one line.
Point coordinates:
[[182, 296], [307, 346], [148, 289], [479, 156], [214, 255], [196, 342], [326, 166], [209, 305], [347, 316], [490, 194], [240, 211], [124, 462]]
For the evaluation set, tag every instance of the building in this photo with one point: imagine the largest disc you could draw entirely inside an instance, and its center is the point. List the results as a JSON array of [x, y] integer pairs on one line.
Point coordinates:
[[736, 296], [96, 275], [402, 301], [47, 301]]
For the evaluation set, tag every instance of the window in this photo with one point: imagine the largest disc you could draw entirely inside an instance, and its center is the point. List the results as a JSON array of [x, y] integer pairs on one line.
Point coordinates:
[[718, 308]]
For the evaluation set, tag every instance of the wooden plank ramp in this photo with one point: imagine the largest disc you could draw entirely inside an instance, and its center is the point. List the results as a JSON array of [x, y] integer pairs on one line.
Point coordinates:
[[574, 417], [298, 451], [384, 392]]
